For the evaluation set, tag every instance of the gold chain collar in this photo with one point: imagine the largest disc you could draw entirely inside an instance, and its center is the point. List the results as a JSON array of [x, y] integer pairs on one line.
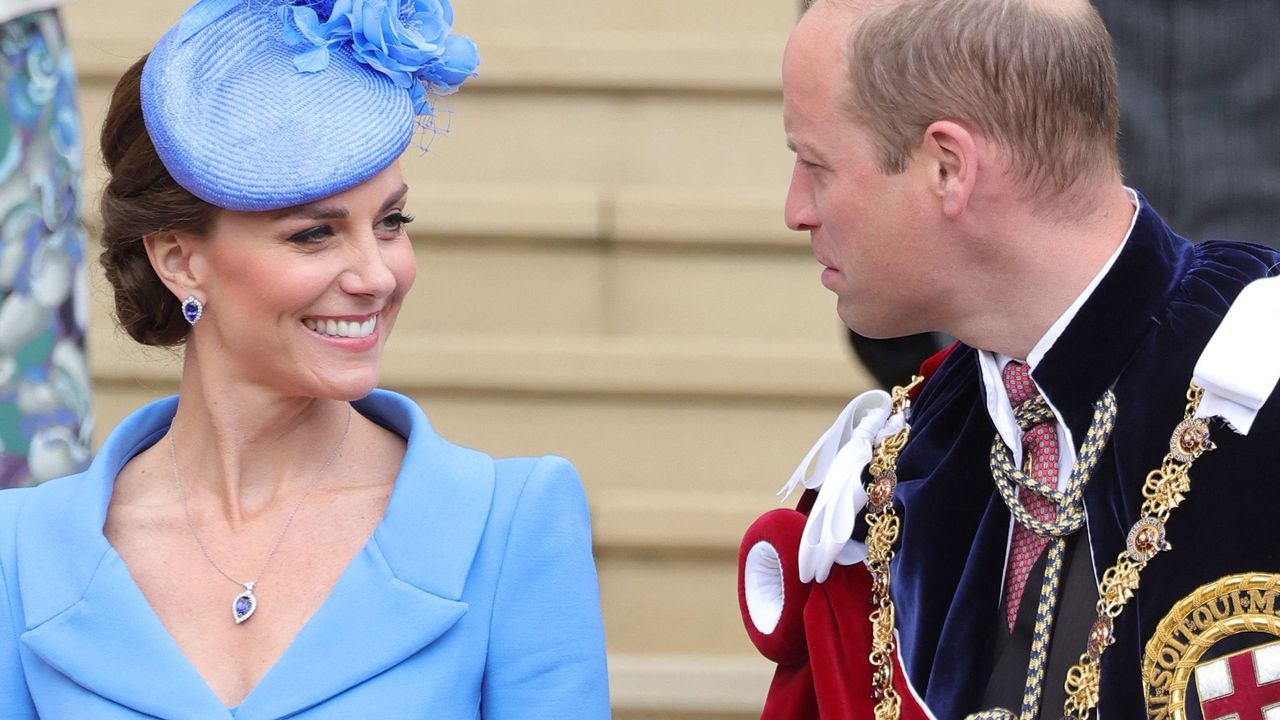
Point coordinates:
[[882, 533], [1166, 488]]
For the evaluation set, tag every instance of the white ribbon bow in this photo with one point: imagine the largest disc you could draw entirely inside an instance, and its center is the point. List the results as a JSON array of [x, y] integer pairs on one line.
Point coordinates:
[[834, 466]]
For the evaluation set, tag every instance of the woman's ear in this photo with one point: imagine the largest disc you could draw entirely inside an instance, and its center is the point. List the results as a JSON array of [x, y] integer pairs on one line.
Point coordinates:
[[172, 256], [951, 151]]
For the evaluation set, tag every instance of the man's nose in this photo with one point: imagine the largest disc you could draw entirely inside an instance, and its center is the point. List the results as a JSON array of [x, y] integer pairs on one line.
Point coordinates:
[[799, 212]]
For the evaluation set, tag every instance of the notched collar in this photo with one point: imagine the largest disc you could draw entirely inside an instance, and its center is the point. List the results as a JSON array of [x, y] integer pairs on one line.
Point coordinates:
[[87, 618]]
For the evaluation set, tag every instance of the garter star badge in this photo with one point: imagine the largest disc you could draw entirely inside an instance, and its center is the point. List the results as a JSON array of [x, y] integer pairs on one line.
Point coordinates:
[[1243, 685]]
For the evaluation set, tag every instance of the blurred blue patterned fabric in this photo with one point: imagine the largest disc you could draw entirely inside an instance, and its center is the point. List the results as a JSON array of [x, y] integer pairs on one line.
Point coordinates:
[[45, 403]]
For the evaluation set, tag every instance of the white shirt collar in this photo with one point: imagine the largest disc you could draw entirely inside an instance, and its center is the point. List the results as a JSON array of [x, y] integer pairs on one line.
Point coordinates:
[[990, 365]]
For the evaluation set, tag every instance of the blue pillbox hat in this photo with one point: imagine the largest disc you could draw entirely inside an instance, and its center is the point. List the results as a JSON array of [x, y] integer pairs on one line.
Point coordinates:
[[265, 104]]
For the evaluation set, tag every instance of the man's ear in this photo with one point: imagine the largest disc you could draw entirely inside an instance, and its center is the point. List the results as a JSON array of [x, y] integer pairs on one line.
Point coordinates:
[[950, 152], [173, 257]]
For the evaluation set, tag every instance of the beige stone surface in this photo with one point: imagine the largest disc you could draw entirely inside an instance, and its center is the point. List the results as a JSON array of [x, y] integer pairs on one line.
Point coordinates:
[[603, 274], [506, 287]]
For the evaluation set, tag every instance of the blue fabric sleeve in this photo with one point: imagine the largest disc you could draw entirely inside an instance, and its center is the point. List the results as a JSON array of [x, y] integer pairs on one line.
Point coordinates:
[[15, 699], [546, 645]]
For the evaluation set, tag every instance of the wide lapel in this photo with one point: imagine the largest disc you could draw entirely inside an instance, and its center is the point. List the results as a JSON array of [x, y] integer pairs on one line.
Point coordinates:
[[112, 643], [83, 612], [404, 589]]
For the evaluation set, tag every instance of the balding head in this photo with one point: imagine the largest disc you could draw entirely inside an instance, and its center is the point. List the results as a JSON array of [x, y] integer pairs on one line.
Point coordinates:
[[1037, 77]]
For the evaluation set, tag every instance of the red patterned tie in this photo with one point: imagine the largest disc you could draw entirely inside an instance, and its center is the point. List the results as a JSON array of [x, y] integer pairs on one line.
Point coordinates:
[[1040, 450]]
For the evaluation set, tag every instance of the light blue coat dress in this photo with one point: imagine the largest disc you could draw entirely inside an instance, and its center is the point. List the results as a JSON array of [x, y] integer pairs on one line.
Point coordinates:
[[476, 597]]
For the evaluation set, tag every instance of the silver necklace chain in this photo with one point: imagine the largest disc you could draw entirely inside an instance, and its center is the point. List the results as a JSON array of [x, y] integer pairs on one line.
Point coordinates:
[[186, 510]]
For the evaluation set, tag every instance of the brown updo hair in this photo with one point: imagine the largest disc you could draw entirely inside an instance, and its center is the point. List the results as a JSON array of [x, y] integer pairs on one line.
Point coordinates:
[[141, 198]]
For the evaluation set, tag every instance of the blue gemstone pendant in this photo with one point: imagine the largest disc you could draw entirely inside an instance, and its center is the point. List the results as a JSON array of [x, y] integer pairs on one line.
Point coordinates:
[[192, 309], [245, 603]]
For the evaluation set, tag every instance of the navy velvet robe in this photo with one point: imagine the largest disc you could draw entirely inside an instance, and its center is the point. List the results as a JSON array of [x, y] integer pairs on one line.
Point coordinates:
[[1140, 333]]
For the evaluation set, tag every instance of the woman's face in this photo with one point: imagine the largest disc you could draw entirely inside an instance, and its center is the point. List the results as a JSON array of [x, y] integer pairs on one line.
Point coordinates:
[[300, 301]]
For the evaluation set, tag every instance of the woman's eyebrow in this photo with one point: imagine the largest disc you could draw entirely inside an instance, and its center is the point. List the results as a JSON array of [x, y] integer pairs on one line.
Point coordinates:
[[320, 211], [396, 197], [313, 212]]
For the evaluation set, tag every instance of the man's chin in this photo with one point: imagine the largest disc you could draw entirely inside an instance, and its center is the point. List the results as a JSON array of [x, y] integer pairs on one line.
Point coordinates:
[[860, 322], [878, 328]]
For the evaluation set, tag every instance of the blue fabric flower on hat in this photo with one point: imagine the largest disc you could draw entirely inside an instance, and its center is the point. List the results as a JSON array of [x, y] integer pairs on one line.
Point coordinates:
[[406, 40]]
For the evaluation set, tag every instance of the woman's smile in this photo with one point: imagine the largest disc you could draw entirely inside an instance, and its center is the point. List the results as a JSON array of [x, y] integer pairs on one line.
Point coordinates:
[[346, 327]]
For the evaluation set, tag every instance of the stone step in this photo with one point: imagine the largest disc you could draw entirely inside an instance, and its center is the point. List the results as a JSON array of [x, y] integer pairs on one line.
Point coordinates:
[[707, 46]]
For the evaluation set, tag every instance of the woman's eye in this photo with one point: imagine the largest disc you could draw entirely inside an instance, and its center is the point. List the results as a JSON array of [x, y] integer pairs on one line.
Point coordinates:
[[394, 222], [311, 235]]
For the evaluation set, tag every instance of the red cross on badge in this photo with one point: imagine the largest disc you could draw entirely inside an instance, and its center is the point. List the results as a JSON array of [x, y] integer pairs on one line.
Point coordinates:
[[1243, 686]]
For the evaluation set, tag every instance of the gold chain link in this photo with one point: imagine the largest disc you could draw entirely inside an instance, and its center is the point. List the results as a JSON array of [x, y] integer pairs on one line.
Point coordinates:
[[882, 533], [1165, 489]]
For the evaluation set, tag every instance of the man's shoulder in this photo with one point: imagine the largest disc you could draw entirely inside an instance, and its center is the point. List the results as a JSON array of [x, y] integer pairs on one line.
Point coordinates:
[[950, 376], [1217, 273], [1225, 266]]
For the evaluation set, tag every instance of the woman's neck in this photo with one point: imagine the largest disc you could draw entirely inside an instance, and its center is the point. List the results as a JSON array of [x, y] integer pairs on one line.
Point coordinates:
[[244, 448]]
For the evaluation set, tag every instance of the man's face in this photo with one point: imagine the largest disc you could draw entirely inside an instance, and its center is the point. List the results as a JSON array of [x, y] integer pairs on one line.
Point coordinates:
[[861, 222]]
